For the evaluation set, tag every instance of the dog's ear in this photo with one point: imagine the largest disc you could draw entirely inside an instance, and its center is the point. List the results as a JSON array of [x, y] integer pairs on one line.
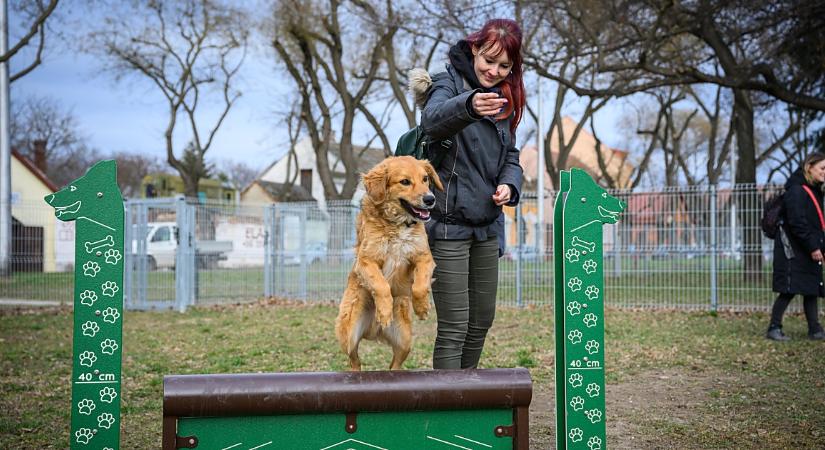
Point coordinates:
[[433, 175], [375, 183]]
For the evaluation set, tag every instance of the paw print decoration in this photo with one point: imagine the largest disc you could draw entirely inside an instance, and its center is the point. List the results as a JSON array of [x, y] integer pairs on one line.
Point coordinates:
[[110, 315], [83, 436], [575, 284], [594, 443], [575, 380], [113, 256], [91, 268], [592, 347], [572, 255], [590, 320], [575, 434], [85, 406], [594, 415], [105, 420], [593, 390], [90, 328], [574, 308], [577, 403], [87, 358], [592, 292], [589, 266], [107, 395], [575, 336], [108, 346], [88, 297], [109, 288]]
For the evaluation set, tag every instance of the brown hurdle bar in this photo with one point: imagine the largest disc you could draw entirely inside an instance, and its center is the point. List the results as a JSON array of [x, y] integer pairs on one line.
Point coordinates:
[[239, 395]]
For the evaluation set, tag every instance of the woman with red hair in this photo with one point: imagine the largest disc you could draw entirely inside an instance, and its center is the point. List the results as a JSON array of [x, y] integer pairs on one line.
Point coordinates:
[[476, 104]]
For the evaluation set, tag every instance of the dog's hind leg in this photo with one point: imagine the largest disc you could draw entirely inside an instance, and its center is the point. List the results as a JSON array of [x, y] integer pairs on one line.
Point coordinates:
[[349, 326], [399, 334]]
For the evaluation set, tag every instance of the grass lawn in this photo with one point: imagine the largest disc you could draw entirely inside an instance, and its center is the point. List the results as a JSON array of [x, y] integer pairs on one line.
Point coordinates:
[[674, 379]]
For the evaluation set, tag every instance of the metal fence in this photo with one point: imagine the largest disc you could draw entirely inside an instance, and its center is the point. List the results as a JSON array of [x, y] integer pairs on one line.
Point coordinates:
[[685, 248]]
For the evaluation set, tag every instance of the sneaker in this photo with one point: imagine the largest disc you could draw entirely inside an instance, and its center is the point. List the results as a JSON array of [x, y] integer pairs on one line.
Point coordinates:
[[818, 336], [776, 334]]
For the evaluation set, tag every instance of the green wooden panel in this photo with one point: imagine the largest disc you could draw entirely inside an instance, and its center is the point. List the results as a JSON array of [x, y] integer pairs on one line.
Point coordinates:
[[95, 204], [580, 335], [436, 430]]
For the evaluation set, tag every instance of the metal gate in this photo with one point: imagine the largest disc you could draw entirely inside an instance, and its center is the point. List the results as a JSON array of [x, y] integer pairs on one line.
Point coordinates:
[[165, 276]]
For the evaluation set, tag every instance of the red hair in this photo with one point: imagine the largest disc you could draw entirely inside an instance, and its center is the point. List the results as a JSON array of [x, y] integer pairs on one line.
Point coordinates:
[[504, 35]]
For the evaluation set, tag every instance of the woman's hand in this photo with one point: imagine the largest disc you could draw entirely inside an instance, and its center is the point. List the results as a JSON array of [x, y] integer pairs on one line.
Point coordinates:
[[816, 255], [502, 196], [488, 103]]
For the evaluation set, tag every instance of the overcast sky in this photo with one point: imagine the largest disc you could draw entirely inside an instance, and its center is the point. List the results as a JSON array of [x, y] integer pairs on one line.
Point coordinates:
[[131, 114]]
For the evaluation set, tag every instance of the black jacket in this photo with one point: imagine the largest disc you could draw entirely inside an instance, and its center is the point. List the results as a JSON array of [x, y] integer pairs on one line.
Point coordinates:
[[484, 156], [801, 227]]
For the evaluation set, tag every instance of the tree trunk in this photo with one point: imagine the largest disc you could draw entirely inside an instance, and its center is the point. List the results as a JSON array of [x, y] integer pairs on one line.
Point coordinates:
[[746, 175]]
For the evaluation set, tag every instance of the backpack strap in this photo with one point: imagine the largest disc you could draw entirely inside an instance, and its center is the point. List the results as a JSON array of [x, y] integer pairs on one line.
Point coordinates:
[[818, 208]]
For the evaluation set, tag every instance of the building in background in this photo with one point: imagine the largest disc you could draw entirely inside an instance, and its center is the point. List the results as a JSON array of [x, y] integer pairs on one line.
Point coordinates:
[[300, 169], [168, 185], [583, 155], [36, 233]]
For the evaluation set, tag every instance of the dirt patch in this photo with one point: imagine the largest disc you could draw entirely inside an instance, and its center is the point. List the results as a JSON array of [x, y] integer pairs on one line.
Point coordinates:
[[672, 396]]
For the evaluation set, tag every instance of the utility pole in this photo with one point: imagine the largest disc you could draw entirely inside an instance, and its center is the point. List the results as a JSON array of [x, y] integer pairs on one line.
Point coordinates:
[[540, 172], [5, 147]]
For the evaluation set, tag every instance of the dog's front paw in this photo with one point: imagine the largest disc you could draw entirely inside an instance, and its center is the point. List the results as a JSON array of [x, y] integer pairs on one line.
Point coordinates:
[[384, 317], [421, 306], [422, 312]]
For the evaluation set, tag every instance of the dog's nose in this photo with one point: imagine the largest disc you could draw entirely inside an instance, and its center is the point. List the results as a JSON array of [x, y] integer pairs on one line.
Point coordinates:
[[429, 199]]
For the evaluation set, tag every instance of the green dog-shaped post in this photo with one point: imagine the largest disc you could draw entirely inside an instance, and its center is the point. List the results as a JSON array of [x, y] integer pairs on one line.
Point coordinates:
[[94, 202], [582, 208]]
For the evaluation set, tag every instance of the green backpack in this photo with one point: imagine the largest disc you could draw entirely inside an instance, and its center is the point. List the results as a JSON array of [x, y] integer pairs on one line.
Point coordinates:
[[418, 145]]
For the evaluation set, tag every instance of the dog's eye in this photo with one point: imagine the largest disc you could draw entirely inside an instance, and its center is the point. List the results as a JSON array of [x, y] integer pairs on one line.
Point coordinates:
[[426, 179], [406, 182]]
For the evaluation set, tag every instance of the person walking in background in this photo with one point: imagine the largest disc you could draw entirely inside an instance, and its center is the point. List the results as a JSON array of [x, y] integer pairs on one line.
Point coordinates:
[[477, 103], [798, 247]]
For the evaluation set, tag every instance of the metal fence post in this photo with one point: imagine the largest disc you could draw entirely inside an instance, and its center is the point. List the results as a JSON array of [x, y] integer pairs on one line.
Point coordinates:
[[269, 214], [302, 219], [617, 256], [128, 256], [184, 258], [141, 231], [714, 300]]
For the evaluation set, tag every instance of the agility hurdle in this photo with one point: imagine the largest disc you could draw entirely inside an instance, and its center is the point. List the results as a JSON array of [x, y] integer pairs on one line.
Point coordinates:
[[94, 202], [472, 409], [464, 409], [581, 210]]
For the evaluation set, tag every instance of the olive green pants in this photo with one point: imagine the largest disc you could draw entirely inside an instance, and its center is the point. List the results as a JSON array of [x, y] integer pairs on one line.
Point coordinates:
[[464, 292]]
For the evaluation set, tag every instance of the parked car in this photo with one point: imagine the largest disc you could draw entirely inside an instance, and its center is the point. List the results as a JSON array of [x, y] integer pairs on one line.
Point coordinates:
[[314, 252], [162, 245]]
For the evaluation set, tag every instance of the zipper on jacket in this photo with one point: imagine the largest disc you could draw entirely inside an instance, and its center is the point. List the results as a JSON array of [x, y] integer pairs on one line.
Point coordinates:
[[447, 196]]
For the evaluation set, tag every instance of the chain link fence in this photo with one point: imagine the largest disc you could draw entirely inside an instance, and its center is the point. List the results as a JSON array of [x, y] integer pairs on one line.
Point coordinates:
[[681, 248]]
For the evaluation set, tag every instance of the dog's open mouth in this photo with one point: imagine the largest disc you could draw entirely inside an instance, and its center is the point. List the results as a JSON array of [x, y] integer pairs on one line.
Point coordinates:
[[422, 214]]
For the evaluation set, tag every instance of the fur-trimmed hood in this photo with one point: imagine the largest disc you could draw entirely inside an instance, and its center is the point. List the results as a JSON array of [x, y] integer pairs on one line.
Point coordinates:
[[419, 84]]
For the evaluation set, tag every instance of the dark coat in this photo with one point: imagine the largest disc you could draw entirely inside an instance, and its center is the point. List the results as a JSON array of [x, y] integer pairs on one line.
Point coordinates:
[[801, 226], [484, 156]]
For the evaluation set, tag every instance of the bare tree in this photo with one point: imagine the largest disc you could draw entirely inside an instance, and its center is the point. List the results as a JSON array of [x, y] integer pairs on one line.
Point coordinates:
[[237, 173], [132, 168], [333, 57], [33, 15], [188, 49], [656, 43], [49, 134]]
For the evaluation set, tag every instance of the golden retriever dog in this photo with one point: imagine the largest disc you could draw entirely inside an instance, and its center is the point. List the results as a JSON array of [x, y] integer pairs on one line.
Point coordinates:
[[393, 266]]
